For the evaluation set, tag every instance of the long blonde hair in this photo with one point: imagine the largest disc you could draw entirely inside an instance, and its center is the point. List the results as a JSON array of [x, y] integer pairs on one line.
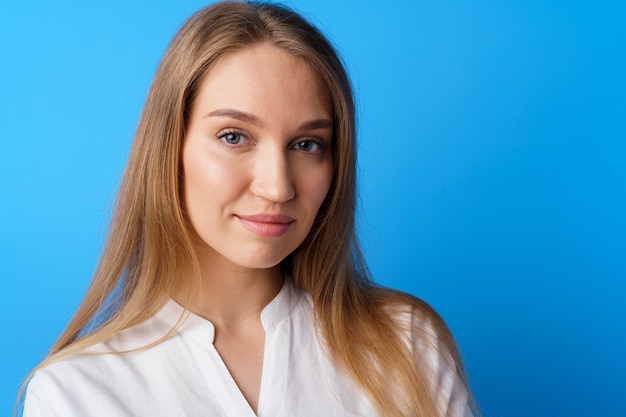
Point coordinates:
[[149, 253]]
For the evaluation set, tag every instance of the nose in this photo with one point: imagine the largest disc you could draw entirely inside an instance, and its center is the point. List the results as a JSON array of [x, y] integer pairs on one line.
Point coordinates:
[[272, 177]]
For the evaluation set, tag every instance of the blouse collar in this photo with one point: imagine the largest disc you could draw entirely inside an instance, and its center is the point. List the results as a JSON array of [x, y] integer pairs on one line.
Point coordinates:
[[175, 315]]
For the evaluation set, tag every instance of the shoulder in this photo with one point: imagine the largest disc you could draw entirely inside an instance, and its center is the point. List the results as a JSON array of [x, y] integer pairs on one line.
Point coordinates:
[[434, 350], [89, 383]]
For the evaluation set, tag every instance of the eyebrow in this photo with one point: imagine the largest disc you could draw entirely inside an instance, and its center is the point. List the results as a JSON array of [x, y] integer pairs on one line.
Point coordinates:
[[249, 118], [235, 114], [318, 124]]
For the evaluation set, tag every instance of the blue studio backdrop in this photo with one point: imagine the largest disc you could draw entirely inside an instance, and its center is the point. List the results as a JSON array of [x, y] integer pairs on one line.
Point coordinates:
[[492, 175]]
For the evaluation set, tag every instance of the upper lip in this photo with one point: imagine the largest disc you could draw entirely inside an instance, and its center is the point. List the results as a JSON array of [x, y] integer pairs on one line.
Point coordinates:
[[266, 218]]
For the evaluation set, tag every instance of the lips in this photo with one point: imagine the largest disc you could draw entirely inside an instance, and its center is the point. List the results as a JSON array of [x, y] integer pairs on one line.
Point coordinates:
[[267, 225]]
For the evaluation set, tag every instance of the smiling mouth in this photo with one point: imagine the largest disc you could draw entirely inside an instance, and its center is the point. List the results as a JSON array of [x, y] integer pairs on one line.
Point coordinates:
[[266, 225]]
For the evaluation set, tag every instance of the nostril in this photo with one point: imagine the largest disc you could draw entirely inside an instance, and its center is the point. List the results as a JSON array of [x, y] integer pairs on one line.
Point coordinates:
[[274, 184]]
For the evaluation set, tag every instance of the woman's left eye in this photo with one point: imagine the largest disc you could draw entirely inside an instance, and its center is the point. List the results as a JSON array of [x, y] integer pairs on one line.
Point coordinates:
[[308, 146]]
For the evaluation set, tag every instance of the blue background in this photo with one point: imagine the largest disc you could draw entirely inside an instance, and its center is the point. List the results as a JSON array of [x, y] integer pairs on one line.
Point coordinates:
[[492, 169]]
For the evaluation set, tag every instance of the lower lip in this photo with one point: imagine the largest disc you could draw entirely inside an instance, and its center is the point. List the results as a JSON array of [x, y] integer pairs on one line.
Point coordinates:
[[265, 229]]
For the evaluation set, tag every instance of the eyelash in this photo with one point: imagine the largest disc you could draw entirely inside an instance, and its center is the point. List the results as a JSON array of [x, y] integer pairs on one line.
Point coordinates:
[[320, 145], [223, 134]]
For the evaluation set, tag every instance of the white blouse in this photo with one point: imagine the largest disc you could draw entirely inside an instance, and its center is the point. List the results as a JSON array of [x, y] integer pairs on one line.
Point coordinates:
[[185, 376]]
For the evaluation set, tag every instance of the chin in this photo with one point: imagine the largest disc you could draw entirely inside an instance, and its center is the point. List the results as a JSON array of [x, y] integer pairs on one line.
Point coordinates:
[[260, 263], [264, 262]]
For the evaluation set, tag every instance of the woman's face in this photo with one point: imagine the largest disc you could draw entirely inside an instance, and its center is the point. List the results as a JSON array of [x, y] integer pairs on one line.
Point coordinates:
[[257, 157]]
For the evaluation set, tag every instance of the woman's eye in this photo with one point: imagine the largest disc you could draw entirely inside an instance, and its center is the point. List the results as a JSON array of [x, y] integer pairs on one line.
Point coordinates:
[[308, 146], [231, 138]]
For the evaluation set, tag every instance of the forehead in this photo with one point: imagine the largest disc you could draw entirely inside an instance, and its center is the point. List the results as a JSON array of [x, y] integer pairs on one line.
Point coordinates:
[[264, 79]]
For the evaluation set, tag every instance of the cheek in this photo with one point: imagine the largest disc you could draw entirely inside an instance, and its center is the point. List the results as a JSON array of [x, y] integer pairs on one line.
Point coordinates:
[[201, 185], [317, 186], [195, 179], [322, 189], [206, 178]]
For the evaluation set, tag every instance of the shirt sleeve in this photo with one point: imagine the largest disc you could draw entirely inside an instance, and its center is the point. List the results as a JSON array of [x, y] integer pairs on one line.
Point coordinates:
[[70, 389], [448, 388], [36, 403]]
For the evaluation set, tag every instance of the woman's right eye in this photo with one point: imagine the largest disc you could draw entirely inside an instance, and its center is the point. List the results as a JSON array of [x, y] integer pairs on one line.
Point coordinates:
[[231, 138]]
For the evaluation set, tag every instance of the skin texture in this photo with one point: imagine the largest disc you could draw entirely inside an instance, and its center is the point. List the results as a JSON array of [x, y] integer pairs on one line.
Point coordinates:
[[258, 143]]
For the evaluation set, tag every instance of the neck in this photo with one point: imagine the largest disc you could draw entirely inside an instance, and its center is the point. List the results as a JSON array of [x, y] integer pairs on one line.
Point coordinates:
[[231, 296]]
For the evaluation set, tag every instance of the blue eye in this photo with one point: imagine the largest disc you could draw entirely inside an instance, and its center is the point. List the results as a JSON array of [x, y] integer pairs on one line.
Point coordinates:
[[232, 138], [308, 146]]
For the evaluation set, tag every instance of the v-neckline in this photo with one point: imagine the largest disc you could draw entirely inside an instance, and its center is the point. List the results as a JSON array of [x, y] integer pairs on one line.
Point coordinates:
[[234, 387], [274, 367]]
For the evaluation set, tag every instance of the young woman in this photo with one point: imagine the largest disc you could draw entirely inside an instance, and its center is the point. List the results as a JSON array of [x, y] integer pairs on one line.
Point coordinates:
[[232, 283]]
